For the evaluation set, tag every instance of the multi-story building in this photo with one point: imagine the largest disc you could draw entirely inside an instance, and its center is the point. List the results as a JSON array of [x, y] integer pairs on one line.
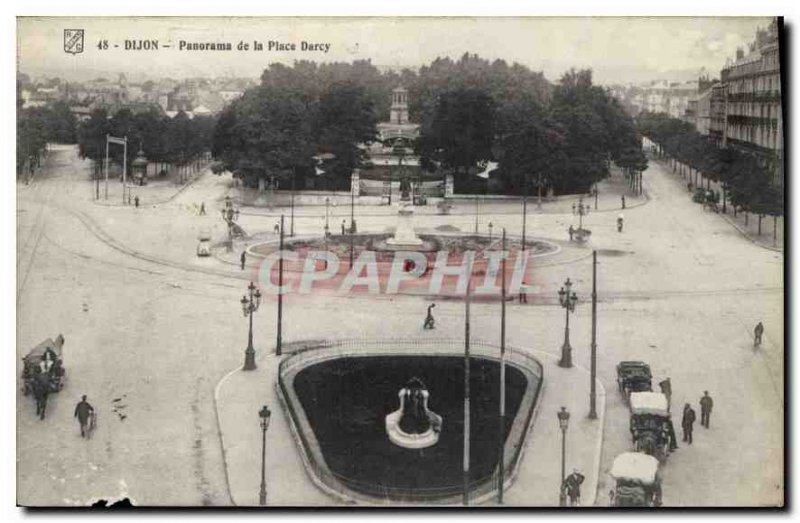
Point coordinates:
[[753, 117], [716, 125], [702, 116], [671, 98]]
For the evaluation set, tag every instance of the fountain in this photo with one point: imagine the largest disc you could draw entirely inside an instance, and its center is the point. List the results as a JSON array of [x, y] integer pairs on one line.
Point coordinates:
[[405, 238], [413, 425], [404, 235]]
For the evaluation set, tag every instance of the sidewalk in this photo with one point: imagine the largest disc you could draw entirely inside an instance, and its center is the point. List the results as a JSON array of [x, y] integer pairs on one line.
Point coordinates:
[[750, 229], [240, 395], [609, 199], [157, 191]]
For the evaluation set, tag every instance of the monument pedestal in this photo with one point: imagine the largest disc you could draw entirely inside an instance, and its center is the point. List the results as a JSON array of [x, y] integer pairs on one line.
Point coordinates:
[[404, 235]]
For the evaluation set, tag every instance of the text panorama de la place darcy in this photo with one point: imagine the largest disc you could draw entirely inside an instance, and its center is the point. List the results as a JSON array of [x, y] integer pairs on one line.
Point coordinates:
[[183, 45]]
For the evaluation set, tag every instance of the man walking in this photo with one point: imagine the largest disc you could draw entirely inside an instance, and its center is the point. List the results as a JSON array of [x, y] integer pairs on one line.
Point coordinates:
[[202, 209], [572, 486], [83, 412], [136, 201], [571, 231], [343, 228], [243, 258], [706, 404], [757, 333], [687, 423], [428, 325], [623, 201]]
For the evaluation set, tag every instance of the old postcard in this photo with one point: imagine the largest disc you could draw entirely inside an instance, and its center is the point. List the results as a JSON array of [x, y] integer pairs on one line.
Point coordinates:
[[345, 262]]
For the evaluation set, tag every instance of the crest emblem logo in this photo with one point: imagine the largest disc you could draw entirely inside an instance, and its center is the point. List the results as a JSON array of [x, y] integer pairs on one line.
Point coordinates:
[[73, 41]]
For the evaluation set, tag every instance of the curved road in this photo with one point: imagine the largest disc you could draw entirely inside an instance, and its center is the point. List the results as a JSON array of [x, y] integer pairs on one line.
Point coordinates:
[[150, 329]]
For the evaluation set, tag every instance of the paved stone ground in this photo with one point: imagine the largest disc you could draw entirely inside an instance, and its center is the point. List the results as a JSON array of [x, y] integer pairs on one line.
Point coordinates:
[[148, 322]]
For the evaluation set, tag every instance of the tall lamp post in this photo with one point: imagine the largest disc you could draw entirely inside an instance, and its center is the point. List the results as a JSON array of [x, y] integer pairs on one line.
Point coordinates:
[[563, 423], [291, 227], [567, 299], [580, 210], [327, 211], [593, 376], [249, 306], [230, 215], [264, 414], [524, 209], [279, 345]]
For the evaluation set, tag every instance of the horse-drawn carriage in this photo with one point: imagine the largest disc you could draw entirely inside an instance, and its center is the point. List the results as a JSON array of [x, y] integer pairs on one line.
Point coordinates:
[[634, 376], [637, 482], [44, 365], [651, 426]]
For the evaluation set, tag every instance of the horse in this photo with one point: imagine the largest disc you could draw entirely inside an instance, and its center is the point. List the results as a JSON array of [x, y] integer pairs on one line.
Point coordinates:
[[41, 389]]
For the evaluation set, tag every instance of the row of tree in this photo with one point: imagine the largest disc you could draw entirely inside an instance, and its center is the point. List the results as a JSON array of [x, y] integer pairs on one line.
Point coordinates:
[[38, 126], [565, 140], [179, 141], [470, 111], [747, 180]]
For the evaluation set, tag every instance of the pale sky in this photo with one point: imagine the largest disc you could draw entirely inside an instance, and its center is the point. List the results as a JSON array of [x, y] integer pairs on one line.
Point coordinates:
[[618, 49]]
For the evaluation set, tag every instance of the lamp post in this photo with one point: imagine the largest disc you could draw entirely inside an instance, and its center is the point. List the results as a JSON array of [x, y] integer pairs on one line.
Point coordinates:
[[249, 306], [524, 209], [593, 376], [264, 414], [291, 227], [279, 345], [230, 215], [352, 224], [567, 299], [580, 210], [327, 209], [563, 423]]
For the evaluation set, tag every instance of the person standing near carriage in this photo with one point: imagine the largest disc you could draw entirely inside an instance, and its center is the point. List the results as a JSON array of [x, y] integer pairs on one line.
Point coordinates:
[[83, 411], [687, 423]]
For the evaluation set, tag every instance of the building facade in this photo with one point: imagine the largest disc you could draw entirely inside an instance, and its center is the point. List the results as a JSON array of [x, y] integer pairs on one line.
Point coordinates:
[[753, 109]]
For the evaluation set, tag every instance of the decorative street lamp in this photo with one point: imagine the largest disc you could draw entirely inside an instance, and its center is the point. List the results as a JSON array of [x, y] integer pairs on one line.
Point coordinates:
[[563, 423], [230, 215], [249, 306], [264, 414], [327, 215], [567, 299], [581, 210]]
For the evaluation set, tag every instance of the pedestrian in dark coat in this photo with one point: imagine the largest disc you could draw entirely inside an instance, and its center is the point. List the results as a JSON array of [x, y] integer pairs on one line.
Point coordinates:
[[136, 201], [706, 404], [757, 333], [343, 228], [83, 412], [623, 201], [572, 485], [243, 258], [429, 318], [687, 423]]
